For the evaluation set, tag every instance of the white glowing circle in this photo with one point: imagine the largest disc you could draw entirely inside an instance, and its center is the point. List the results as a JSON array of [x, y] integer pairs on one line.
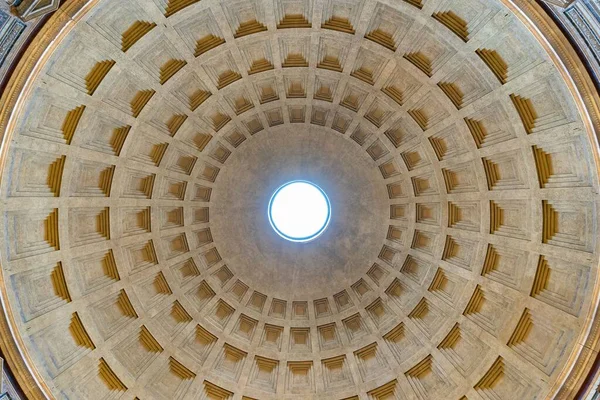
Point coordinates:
[[299, 211]]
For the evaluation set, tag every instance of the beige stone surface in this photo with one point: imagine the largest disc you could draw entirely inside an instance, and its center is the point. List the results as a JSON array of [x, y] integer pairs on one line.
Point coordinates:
[[305, 271], [462, 257]]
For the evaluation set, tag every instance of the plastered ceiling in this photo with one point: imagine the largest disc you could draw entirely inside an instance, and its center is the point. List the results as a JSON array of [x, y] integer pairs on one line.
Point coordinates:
[[137, 258]]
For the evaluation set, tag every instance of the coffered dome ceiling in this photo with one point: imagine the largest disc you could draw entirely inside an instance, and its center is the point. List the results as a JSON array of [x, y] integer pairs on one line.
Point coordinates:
[[459, 156]]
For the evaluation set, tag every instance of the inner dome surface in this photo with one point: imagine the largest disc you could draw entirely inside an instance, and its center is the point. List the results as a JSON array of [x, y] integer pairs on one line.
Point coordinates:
[[282, 268], [461, 260]]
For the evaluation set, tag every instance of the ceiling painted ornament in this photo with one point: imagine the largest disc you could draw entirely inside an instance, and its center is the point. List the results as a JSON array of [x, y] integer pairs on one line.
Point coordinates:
[[30, 9]]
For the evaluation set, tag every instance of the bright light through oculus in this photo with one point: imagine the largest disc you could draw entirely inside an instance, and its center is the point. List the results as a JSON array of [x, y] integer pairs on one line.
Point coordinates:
[[299, 211]]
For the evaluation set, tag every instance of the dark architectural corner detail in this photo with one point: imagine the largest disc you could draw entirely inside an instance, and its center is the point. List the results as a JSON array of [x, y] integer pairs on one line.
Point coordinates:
[[9, 389], [10, 31], [580, 21], [15, 36], [31, 9], [560, 3]]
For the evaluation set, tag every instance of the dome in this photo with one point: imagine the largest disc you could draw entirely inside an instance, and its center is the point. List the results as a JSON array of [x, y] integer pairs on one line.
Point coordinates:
[[454, 142]]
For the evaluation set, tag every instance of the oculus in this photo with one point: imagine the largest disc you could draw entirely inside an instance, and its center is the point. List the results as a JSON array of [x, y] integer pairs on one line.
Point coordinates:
[[299, 211]]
